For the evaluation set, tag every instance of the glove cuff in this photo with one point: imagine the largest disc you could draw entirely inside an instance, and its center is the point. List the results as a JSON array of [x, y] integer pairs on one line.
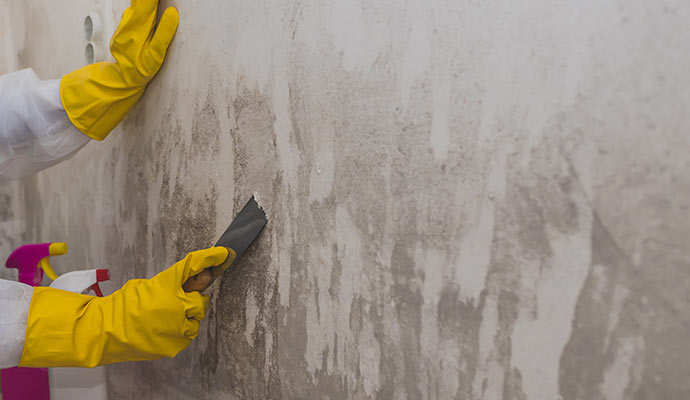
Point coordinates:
[[49, 340], [97, 98]]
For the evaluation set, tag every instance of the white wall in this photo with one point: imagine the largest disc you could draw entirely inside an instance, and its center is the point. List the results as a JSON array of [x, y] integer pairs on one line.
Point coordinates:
[[474, 200]]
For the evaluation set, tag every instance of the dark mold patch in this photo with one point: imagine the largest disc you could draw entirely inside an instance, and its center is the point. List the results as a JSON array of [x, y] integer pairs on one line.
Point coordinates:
[[6, 212]]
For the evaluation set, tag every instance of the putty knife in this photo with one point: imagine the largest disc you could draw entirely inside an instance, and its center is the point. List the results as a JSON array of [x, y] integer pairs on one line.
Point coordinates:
[[243, 230]]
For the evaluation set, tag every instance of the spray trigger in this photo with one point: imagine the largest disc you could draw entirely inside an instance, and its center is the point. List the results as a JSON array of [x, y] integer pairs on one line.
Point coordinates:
[[102, 275]]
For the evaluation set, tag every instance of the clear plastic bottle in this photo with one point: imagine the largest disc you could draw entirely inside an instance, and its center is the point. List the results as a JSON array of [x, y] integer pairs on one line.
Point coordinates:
[[79, 383]]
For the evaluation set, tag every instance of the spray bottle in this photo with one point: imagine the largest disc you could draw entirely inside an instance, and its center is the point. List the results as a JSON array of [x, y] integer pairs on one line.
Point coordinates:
[[31, 261]]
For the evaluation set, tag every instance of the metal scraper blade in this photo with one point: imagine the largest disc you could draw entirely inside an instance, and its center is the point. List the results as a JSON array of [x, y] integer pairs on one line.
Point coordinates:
[[244, 228]]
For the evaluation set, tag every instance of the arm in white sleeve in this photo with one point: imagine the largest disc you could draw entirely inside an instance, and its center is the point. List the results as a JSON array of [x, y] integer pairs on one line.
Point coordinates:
[[35, 131], [15, 299]]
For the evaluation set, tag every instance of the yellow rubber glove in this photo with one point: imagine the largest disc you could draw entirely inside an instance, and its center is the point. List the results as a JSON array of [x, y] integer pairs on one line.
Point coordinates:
[[98, 96], [145, 320]]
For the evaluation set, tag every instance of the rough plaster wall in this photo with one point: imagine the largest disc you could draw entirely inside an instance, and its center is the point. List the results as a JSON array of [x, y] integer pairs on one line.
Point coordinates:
[[473, 200]]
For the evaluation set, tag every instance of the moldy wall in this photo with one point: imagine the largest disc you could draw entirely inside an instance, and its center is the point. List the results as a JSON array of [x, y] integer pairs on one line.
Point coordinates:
[[472, 200]]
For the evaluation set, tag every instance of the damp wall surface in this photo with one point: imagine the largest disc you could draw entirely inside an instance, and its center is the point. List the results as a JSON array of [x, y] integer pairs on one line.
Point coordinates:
[[470, 200]]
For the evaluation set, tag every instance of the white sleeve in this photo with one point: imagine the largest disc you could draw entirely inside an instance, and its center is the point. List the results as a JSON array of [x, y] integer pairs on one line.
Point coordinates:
[[35, 132], [15, 299]]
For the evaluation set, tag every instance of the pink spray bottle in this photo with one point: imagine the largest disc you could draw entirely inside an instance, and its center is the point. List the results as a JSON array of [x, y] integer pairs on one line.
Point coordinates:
[[32, 261]]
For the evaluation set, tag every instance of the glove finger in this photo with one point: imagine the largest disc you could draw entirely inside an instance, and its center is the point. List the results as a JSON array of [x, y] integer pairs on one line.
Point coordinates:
[[197, 261], [134, 29], [218, 271], [191, 329], [143, 7], [164, 35], [197, 306]]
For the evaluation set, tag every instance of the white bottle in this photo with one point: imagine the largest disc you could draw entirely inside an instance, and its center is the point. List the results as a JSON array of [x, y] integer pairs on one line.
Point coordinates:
[[79, 383]]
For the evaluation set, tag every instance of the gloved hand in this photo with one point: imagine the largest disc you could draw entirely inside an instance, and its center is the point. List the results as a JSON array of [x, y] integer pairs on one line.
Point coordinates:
[[146, 319], [98, 96]]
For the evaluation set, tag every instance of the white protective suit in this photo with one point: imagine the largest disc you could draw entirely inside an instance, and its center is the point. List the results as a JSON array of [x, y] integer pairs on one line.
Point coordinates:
[[35, 133], [15, 299]]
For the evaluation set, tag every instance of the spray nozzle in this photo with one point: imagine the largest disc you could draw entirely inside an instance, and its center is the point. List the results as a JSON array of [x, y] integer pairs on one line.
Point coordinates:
[[33, 260], [102, 275]]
